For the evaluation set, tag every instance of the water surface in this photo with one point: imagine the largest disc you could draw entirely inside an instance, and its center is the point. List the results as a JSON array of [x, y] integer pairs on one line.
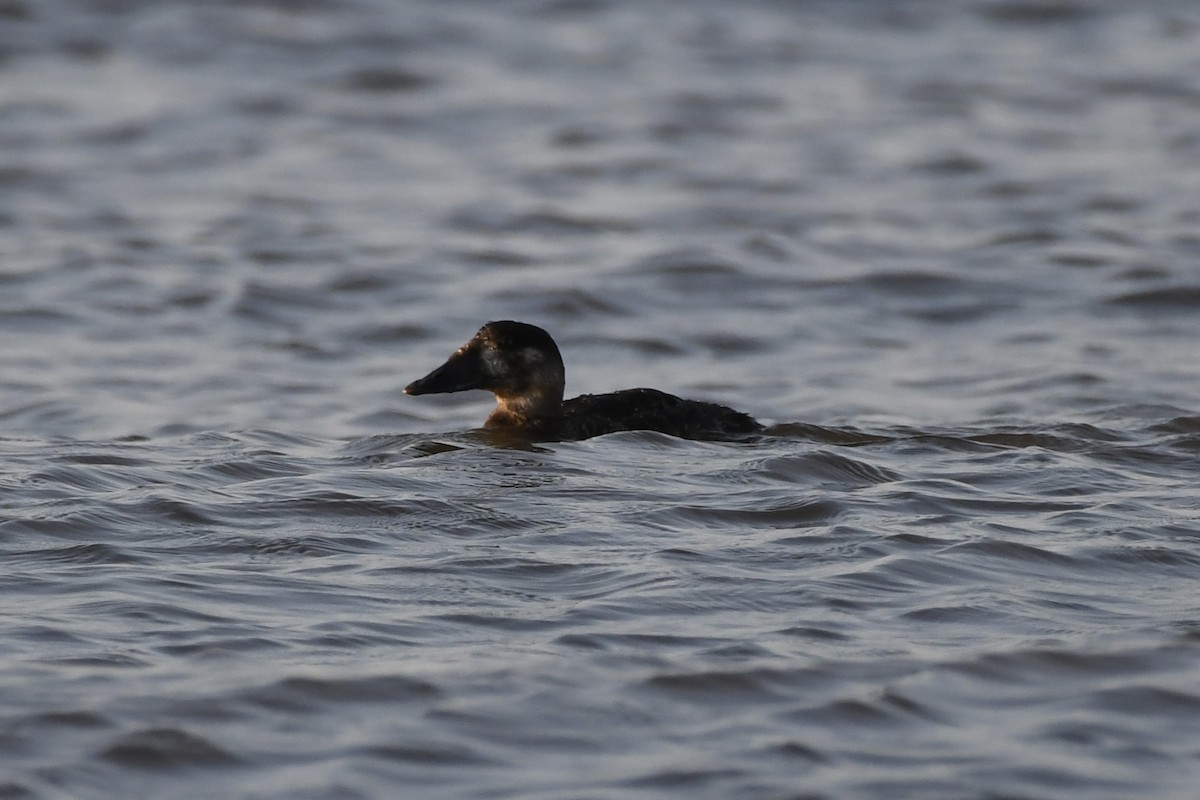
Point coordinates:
[[946, 251]]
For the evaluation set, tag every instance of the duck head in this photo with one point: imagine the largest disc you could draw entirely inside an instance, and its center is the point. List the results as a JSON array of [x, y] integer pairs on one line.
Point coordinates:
[[517, 362]]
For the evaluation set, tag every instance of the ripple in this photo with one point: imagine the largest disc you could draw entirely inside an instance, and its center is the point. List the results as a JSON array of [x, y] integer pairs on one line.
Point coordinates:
[[788, 514], [1140, 701], [305, 690], [169, 749], [546, 223], [82, 554], [1175, 300], [1042, 12], [823, 466], [385, 80], [951, 165], [724, 687], [431, 754]]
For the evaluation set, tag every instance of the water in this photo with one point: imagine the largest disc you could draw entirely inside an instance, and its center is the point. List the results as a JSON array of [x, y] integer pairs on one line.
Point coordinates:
[[947, 251]]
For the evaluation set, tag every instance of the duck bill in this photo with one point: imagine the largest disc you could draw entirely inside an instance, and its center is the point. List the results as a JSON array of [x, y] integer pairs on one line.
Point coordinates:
[[462, 372]]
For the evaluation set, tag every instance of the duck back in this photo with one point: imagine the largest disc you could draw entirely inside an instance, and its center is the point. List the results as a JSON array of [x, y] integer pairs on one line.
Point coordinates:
[[651, 410]]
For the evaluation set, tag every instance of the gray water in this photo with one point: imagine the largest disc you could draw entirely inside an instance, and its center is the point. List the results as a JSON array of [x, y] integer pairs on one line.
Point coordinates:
[[948, 252]]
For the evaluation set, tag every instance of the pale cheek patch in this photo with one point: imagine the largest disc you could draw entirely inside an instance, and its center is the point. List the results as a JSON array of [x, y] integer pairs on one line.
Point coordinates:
[[532, 357], [493, 364]]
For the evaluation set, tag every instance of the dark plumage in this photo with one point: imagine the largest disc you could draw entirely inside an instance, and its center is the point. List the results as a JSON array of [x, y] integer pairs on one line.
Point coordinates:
[[521, 365]]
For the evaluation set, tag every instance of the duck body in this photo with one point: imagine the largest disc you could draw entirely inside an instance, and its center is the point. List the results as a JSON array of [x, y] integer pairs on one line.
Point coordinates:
[[521, 365], [651, 410]]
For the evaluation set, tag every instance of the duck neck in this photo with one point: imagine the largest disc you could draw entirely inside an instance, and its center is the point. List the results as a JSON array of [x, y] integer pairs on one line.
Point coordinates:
[[532, 406]]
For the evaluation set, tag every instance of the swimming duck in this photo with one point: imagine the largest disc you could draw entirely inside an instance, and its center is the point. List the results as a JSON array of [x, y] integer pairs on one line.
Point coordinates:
[[521, 365]]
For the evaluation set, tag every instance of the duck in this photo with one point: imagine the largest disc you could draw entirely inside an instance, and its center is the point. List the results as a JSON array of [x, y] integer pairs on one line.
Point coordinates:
[[521, 365]]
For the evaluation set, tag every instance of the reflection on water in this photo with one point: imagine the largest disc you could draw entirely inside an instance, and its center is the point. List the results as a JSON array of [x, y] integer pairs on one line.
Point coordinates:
[[947, 251]]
